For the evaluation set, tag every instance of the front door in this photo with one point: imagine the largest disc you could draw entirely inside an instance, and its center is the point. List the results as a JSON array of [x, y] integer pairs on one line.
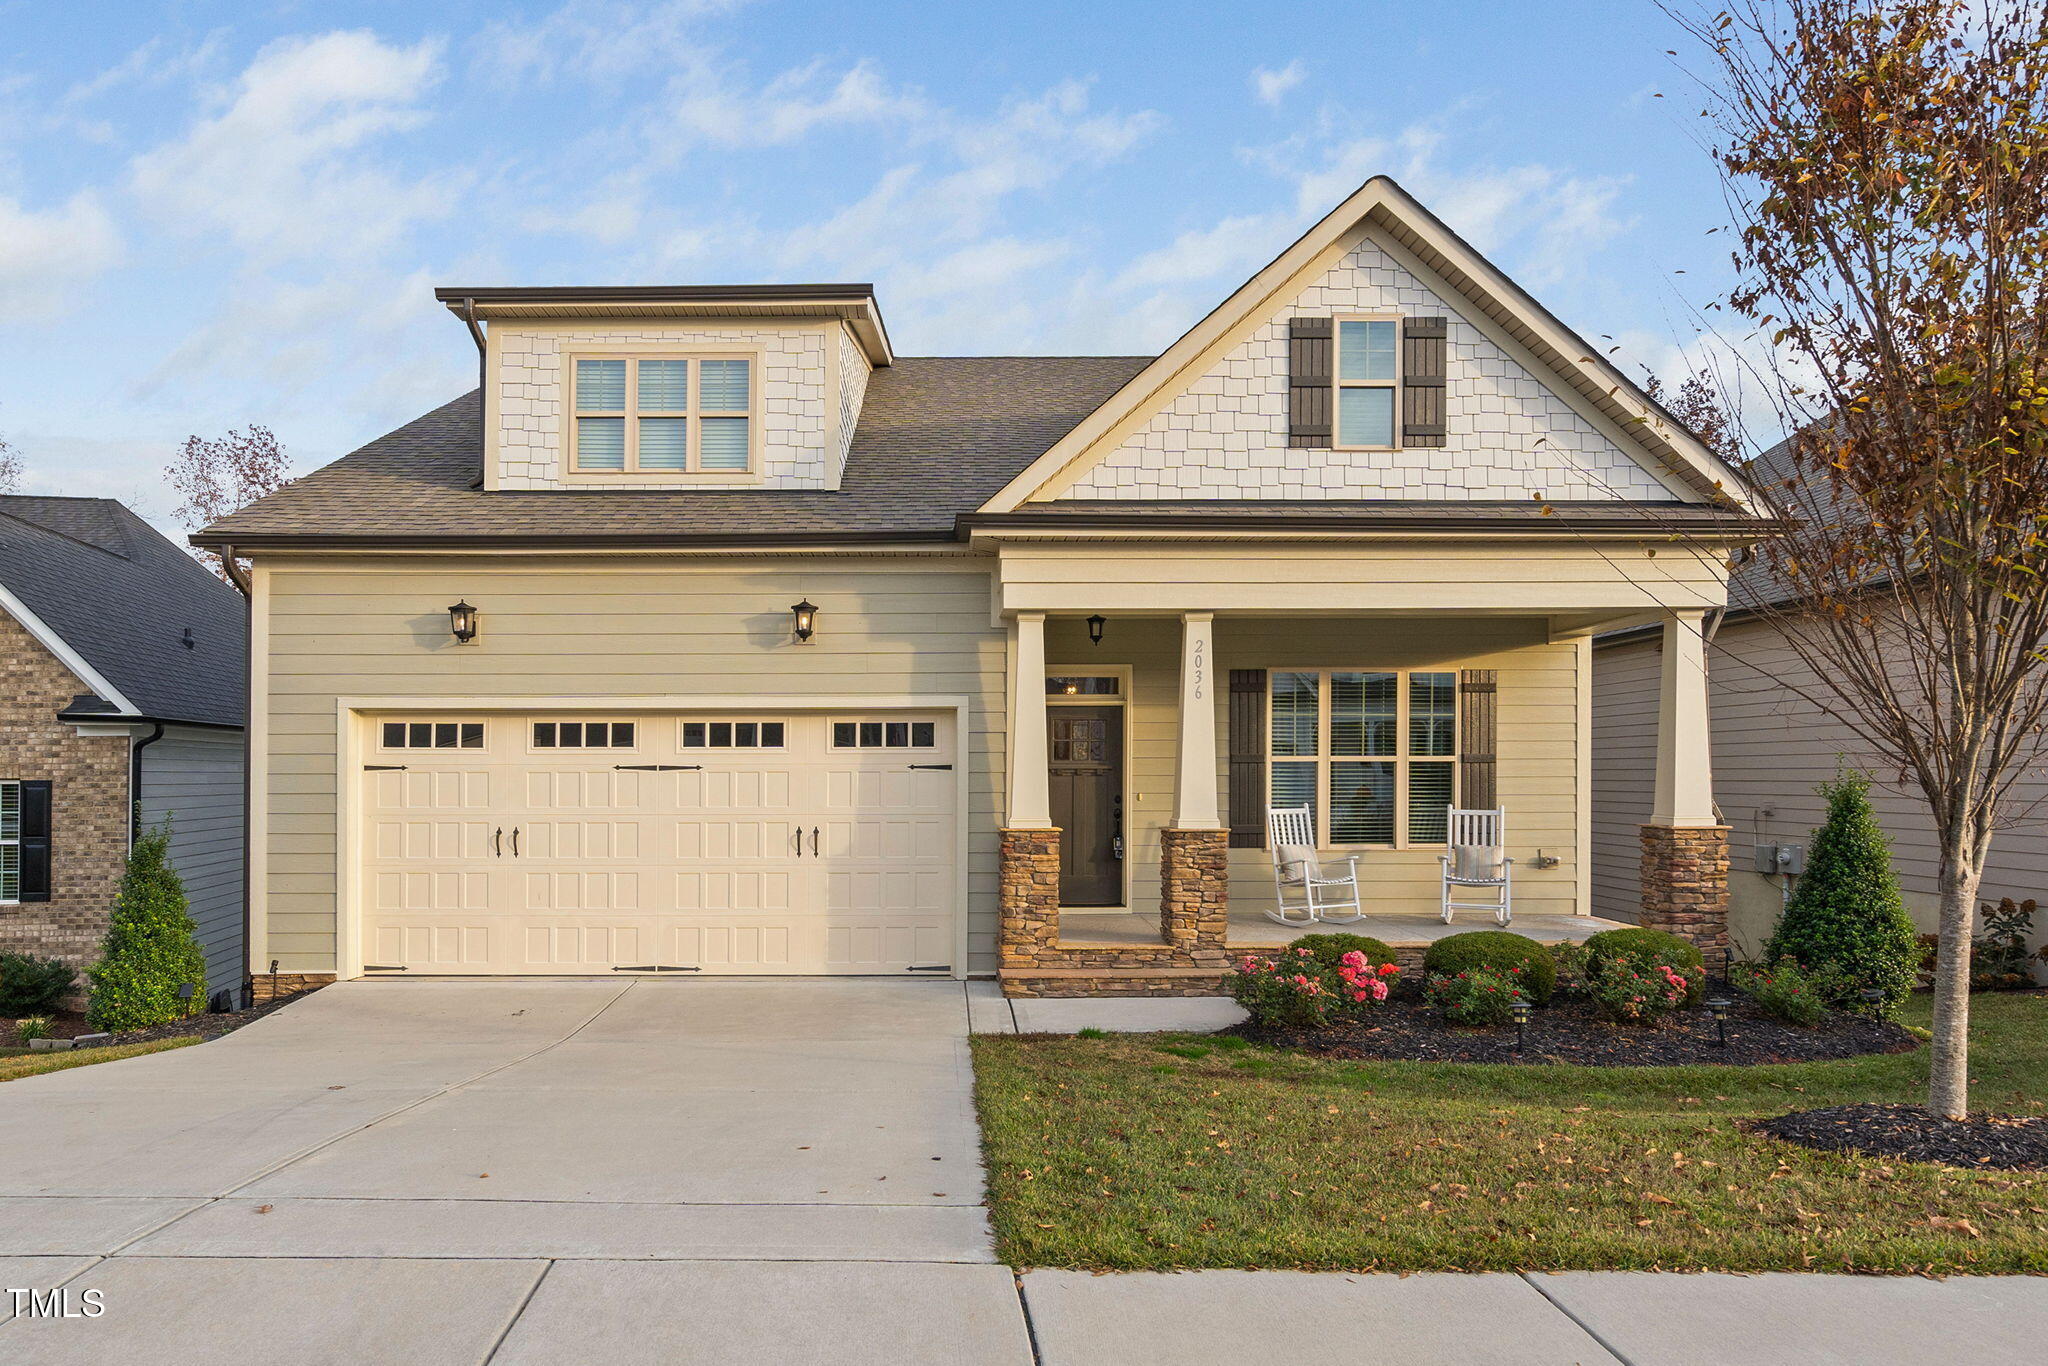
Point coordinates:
[[1086, 747]]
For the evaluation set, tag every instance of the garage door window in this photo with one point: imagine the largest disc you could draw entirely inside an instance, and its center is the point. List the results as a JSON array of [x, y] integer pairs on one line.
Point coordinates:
[[733, 734], [583, 734], [433, 735], [884, 734]]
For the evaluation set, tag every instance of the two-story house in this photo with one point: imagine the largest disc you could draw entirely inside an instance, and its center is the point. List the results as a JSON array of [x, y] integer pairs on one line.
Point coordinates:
[[711, 635]]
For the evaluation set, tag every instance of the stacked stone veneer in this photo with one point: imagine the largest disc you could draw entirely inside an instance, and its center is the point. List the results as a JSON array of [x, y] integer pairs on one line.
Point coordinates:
[[1685, 883], [270, 986], [1508, 435], [1193, 918], [792, 401], [89, 803]]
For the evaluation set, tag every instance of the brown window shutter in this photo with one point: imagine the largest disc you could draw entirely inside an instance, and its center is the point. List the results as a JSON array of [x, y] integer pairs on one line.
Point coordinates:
[[1478, 695], [1308, 382], [35, 841], [1247, 758], [1422, 382]]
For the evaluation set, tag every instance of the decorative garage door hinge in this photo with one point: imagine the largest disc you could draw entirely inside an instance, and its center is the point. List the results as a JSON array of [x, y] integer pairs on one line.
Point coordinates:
[[947, 767], [382, 967], [929, 967], [383, 768]]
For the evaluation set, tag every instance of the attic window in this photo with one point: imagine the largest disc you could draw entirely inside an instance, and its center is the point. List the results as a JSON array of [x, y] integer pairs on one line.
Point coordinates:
[[662, 415], [1368, 378]]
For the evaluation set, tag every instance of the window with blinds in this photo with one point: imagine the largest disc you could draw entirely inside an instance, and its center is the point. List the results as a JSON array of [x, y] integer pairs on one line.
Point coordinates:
[[10, 842], [661, 415], [1371, 753]]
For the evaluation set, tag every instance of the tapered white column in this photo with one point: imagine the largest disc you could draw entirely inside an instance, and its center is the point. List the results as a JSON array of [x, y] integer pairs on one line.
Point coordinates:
[[1030, 805], [1685, 767], [1194, 798]]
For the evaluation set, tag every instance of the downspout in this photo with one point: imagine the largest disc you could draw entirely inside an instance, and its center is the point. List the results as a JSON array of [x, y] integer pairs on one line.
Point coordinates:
[[483, 355], [156, 733]]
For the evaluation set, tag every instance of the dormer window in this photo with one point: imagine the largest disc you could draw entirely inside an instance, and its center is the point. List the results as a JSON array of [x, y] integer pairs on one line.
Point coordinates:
[[662, 414], [1368, 380]]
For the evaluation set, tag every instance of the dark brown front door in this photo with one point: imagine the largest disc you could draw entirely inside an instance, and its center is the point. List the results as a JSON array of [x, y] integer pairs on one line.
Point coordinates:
[[1086, 745]]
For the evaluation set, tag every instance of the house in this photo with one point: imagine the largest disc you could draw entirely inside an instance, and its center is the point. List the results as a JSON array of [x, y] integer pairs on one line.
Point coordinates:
[[1771, 750], [714, 636], [125, 662]]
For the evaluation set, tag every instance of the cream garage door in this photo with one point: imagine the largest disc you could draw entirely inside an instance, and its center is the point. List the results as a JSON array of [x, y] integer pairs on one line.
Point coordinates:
[[599, 843]]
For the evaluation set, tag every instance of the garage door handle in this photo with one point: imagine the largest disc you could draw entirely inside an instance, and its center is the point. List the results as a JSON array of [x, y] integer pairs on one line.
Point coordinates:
[[797, 838], [515, 841], [814, 841], [947, 767], [498, 842]]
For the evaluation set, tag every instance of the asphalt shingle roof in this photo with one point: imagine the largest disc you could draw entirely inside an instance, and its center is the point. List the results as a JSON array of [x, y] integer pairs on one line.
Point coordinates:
[[122, 596]]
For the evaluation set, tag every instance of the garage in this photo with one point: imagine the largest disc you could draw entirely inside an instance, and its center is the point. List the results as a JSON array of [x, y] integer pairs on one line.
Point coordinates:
[[596, 842]]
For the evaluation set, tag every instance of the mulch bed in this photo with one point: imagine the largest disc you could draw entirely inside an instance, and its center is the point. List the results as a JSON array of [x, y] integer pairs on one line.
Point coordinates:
[[1916, 1135], [1575, 1032], [69, 1024]]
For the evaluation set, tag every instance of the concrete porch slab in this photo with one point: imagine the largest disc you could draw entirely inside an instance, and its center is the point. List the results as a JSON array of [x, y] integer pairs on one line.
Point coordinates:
[[1081, 928], [1126, 1014]]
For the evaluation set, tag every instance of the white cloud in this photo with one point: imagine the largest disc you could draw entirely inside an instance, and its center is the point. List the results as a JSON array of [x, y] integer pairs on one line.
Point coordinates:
[[284, 169], [594, 39], [1273, 86], [45, 255], [1236, 245], [790, 107]]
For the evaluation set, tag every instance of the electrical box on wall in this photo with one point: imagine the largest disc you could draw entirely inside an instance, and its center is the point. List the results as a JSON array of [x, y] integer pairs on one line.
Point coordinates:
[[1781, 858]]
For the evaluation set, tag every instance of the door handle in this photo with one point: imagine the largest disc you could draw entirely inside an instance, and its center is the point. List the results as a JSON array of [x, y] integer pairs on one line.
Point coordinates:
[[814, 841], [498, 842], [796, 837], [515, 841]]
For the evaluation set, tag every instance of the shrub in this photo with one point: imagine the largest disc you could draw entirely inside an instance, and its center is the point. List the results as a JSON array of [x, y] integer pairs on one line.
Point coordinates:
[[151, 949], [31, 985], [1682, 956], [1297, 990], [1477, 996], [1500, 951], [1846, 919], [34, 1027], [1999, 957], [1785, 993], [1331, 948], [1637, 988], [1572, 964]]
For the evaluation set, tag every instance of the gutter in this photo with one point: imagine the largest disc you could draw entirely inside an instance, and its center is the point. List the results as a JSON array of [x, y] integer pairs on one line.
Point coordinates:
[[430, 541], [234, 571]]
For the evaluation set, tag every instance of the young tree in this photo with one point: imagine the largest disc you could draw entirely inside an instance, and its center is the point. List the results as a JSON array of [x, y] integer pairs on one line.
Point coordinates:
[[1886, 163], [10, 468], [219, 476], [151, 947], [1846, 919]]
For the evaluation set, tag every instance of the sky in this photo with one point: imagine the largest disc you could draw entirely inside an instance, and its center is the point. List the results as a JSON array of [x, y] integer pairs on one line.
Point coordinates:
[[213, 214]]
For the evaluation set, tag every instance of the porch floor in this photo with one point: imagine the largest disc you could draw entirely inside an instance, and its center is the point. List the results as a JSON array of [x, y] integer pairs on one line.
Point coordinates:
[[1085, 928]]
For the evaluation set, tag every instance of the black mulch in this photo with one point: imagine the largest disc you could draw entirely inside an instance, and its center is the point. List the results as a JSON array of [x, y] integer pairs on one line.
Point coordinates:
[[207, 1025], [1575, 1032], [1917, 1135]]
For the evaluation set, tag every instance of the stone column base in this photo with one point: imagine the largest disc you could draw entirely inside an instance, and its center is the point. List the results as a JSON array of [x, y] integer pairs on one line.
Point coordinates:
[[1194, 890], [270, 986], [1028, 896], [1685, 885]]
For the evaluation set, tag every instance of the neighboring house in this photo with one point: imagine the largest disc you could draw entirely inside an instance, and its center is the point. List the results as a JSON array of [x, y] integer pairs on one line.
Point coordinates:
[[720, 638], [125, 663], [1772, 748]]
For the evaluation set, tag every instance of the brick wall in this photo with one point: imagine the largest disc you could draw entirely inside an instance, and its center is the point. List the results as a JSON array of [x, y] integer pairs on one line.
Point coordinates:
[[89, 803]]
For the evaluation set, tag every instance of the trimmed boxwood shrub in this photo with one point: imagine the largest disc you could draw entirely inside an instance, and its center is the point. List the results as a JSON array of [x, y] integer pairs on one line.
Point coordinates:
[[32, 986], [1655, 946], [1330, 949], [1498, 950], [1846, 920], [151, 948]]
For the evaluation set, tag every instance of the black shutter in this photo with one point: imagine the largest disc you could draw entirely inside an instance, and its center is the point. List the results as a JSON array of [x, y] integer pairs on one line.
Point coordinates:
[[1308, 383], [1477, 728], [1247, 758], [1422, 382], [35, 841]]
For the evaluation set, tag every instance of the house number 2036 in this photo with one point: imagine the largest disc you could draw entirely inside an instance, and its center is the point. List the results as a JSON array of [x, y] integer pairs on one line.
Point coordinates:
[[1198, 669]]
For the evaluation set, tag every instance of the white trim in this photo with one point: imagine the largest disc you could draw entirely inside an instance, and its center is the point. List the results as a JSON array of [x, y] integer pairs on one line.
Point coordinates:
[[1582, 822], [70, 658], [256, 851], [1338, 384], [351, 726]]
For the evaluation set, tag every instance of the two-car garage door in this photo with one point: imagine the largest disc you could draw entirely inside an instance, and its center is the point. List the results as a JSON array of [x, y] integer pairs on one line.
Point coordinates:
[[595, 843]]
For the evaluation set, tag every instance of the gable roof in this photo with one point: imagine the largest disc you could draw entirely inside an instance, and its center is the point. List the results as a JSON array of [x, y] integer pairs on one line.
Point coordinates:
[[937, 436], [1633, 418], [112, 598]]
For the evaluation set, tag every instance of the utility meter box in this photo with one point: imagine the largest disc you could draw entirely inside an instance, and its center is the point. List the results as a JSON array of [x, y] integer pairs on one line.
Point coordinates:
[[1781, 858]]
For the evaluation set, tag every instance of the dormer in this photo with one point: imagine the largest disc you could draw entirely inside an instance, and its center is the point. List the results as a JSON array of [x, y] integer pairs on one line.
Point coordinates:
[[671, 386]]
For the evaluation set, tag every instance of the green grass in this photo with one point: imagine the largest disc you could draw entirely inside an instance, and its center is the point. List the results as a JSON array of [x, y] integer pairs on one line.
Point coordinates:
[[1183, 1151], [21, 1062]]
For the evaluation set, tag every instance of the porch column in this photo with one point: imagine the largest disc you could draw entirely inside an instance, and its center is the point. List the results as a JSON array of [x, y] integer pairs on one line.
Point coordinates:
[[1194, 911], [1028, 860], [1685, 847]]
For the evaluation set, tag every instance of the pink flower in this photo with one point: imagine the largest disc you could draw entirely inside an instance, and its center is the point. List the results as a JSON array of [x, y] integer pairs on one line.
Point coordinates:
[[1353, 959], [1389, 969]]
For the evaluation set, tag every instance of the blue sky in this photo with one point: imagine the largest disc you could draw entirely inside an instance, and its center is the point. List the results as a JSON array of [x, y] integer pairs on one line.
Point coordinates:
[[218, 214]]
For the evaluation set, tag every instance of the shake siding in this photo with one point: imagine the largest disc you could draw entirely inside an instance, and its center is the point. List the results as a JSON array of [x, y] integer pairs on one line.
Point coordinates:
[[605, 628], [195, 780]]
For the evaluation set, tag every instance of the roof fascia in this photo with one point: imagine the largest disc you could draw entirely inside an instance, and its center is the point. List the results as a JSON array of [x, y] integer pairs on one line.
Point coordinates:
[[70, 658]]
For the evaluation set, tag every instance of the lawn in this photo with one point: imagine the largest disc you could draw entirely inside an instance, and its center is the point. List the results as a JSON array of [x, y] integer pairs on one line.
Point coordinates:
[[1154, 1151], [21, 1062]]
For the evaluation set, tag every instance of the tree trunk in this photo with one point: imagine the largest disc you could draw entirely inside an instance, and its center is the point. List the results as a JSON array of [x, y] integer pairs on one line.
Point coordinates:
[[1948, 1082]]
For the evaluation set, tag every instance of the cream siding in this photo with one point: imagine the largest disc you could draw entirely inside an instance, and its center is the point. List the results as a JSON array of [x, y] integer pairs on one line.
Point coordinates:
[[597, 628]]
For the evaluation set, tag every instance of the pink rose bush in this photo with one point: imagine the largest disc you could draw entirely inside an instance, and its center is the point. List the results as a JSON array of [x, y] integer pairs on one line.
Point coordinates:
[[1637, 989], [1477, 996], [1294, 989]]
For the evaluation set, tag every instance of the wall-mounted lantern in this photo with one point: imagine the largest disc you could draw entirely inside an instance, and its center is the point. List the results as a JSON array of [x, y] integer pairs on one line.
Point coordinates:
[[803, 621], [462, 622], [1095, 625]]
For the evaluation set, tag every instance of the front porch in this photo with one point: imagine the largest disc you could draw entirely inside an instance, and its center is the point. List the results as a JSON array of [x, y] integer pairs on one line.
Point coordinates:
[[1251, 932]]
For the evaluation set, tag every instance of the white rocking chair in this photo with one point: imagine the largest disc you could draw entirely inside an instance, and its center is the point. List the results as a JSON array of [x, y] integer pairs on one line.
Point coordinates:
[[1319, 892], [1478, 858]]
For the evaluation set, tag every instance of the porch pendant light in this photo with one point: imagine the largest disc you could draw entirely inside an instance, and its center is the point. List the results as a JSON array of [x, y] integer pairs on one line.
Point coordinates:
[[1095, 625], [804, 620], [462, 622]]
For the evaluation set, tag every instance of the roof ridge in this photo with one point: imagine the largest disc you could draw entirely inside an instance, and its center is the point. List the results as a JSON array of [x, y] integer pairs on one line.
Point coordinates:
[[127, 551]]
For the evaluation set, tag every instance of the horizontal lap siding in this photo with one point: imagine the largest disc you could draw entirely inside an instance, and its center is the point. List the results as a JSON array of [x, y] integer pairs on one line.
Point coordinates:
[[605, 628], [197, 785], [1625, 686]]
